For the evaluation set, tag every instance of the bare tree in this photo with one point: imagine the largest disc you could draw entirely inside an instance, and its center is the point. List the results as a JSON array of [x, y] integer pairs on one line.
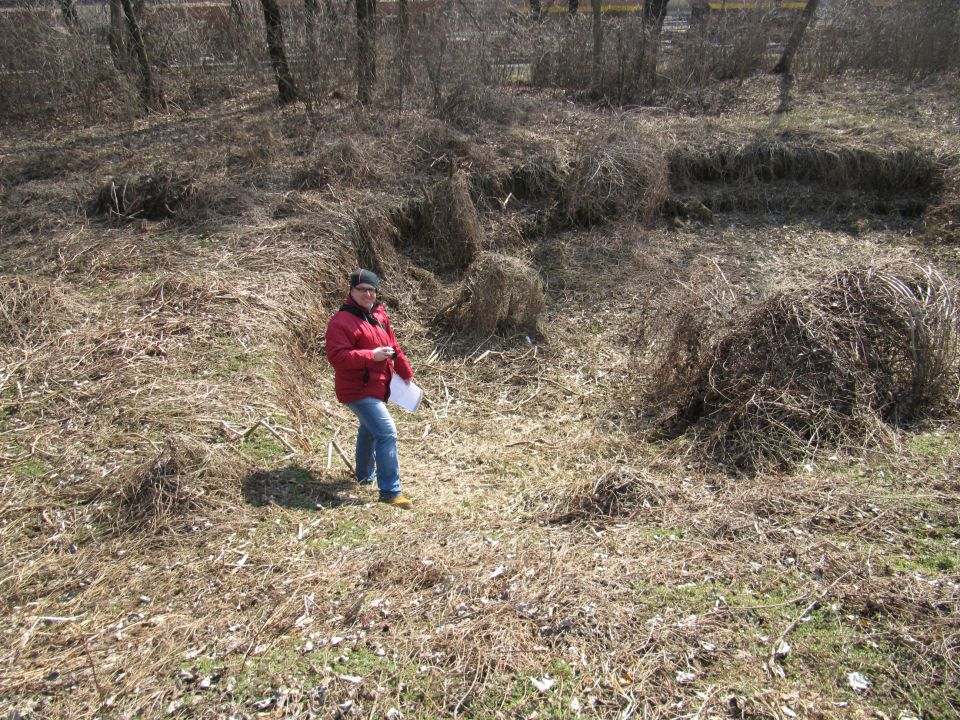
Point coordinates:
[[796, 37], [366, 49], [286, 89], [404, 30], [149, 89], [68, 8], [597, 79]]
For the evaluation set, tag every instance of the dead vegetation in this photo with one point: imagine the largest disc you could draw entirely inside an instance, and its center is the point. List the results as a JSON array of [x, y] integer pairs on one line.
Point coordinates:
[[180, 539], [499, 294], [615, 173], [182, 484], [150, 197], [832, 364]]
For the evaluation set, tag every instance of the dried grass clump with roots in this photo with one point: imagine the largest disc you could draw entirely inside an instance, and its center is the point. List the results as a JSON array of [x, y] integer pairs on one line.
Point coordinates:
[[832, 364], [185, 480], [500, 294], [150, 197], [618, 493], [613, 174]]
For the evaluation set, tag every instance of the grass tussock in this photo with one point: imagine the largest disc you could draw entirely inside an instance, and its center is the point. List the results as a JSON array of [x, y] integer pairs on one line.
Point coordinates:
[[941, 223], [831, 364], [614, 174], [443, 229], [837, 165], [500, 294]]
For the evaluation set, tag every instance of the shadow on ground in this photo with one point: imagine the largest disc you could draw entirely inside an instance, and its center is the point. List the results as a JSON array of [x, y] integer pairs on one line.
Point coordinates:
[[294, 486]]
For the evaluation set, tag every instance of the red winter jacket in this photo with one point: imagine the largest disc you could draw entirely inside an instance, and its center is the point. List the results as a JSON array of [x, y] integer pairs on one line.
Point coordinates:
[[351, 340]]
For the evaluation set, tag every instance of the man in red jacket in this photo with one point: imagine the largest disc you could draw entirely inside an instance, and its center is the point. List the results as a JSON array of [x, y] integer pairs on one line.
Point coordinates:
[[365, 354]]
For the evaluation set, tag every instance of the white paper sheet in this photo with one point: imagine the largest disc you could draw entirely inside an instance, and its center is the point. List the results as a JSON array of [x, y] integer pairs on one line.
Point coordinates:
[[406, 396]]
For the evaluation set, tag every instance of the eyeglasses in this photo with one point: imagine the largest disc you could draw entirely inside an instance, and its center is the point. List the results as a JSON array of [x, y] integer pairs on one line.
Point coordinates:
[[365, 289]]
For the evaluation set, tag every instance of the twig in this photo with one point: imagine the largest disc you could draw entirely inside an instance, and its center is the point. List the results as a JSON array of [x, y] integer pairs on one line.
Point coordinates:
[[279, 437], [93, 668], [343, 456]]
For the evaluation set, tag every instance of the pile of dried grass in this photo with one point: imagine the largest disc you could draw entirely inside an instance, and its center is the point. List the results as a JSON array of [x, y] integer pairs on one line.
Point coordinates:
[[151, 197], [613, 174], [618, 493], [500, 294], [340, 161], [832, 364], [30, 307], [168, 491]]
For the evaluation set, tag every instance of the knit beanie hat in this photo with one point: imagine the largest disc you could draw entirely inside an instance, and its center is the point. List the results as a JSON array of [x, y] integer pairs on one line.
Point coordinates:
[[364, 276]]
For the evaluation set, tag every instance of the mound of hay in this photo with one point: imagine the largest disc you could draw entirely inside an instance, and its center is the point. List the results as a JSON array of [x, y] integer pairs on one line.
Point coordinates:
[[500, 294], [171, 489], [30, 307], [374, 235], [343, 161], [836, 166], [151, 197], [833, 364], [614, 174]]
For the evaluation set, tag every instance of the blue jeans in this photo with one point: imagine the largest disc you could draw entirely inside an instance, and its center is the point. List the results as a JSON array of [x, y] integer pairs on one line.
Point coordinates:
[[377, 446]]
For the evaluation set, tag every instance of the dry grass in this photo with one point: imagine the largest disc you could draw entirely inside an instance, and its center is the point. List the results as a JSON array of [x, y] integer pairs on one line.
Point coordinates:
[[499, 294], [176, 543], [812, 368], [615, 173]]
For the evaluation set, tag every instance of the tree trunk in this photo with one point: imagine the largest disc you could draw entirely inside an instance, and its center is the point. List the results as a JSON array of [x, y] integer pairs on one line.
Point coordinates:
[[572, 7], [796, 37], [68, 8], [366, 49], [311, 9], [286, 89], [654, 13], [118, 46], [149, 89], [536, 9], [597, 79]]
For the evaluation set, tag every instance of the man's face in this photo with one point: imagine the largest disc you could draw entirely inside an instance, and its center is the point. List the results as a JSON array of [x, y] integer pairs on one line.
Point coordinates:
[[364, 295]]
